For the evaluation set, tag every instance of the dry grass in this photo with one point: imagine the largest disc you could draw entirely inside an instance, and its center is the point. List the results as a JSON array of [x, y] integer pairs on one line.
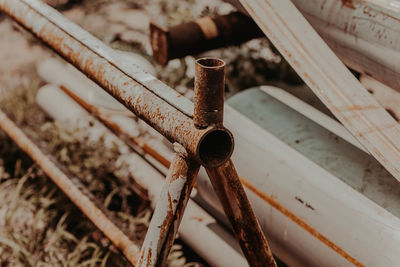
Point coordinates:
[[39, 225]]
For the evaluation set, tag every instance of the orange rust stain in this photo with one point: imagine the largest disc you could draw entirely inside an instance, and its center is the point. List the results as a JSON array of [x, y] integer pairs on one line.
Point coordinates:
[[94, 110], [360, 107], [149, 258], [348, 3], [160, 158], [300, 222], [199, 219]]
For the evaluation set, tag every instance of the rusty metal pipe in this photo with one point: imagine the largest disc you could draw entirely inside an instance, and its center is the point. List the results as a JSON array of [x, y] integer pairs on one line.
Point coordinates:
[[201, 35], [115, 127], [73, 189], [175, 125], [209, 86], [209, 89], [237, 208], [194, 229], [209, 108], [169, 211]]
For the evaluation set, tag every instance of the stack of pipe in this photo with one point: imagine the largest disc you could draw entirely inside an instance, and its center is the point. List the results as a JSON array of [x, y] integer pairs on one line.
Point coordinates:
[[198, 229], [363, 33], [300, 212]]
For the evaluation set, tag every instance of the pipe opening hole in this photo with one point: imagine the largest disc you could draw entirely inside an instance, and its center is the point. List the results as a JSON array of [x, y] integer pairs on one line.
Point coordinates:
[[210, 62], [215, 148]]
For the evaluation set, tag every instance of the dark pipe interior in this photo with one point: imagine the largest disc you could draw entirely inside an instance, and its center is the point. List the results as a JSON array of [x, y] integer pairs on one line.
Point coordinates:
[[210, 62], [215, 148]]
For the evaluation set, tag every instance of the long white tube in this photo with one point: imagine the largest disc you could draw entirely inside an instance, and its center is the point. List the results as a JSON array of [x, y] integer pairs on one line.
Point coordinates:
[[322, 218], [363, 33]]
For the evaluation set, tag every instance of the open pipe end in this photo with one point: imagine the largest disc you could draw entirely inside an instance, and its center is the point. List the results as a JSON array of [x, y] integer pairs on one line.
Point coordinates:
[[215, 147], [209, 90], [159, 43], [210, 63]]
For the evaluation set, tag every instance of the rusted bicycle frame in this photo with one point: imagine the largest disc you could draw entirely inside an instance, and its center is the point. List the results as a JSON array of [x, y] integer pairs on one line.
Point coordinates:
[[199, 137]]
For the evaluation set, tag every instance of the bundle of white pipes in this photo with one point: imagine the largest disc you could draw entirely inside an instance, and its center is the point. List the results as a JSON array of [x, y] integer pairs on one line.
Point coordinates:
[[321, 199], [363, 33], [319, 196]]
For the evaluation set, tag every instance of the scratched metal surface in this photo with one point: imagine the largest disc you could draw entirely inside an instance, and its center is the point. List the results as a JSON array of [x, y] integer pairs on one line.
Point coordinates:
[[93, 61], [135, 72]]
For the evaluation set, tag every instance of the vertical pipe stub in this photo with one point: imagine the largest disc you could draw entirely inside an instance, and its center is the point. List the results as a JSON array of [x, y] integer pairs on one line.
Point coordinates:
[[209, 87]]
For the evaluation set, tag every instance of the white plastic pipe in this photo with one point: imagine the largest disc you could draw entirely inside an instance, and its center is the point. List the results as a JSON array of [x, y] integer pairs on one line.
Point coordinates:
[[312, 217], [363, 33]]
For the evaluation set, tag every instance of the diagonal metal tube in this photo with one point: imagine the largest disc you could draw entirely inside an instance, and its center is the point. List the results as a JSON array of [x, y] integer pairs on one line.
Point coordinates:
[[237, 208], [209, 105], [168, 212]]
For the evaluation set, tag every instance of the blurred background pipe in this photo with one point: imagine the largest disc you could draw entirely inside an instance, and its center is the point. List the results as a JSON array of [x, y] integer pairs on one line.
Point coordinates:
[[363, 33], [201, 35]]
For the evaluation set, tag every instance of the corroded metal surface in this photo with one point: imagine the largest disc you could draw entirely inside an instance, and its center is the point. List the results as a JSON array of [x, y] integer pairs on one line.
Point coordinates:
[[209, 87], [201, 35], [161, 115], [195, 228], [169, 211], [134, 72], [115, 127], [209, 110], [237, 208], [209, 104], [73, 189]]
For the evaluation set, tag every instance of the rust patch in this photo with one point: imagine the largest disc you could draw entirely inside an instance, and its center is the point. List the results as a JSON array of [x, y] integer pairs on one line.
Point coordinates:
[[348, 3], [209, 89], [237, 208], [199, 219], [149, 258], [113, 126], [359, 107]]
